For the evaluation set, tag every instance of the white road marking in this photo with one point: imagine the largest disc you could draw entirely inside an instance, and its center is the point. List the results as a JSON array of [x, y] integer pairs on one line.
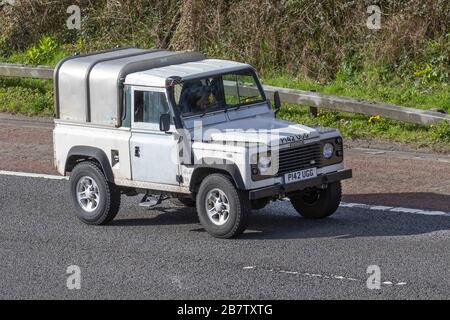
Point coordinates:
[[404, 210], [32, 175], [343, 204], [316, 275], [381, 208], [375, 152], [394, 209]]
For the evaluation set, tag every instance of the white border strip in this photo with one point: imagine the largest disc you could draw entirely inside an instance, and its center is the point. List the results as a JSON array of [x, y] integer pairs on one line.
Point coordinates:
[[32, 175], [394, 209]]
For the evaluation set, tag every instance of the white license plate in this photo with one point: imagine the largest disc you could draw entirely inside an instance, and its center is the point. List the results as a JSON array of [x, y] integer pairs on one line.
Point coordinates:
[[300, 175]]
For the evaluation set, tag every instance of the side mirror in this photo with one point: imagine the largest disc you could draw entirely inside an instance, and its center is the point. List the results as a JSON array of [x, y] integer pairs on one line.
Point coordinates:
[[276, 101], [164, 122]]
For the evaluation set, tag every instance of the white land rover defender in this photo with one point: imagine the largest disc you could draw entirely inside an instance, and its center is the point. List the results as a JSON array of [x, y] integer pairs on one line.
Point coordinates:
[[177, 125]]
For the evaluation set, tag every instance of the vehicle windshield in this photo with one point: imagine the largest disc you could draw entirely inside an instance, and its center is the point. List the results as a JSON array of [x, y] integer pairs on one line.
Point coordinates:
[[219, 92]]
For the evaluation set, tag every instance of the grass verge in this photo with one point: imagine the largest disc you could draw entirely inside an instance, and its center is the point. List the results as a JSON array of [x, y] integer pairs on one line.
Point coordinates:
[[35, 97], [26, 96], [409, 93]]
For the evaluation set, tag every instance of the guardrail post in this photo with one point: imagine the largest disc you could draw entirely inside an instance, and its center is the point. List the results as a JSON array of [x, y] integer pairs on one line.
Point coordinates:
[[314, 111]]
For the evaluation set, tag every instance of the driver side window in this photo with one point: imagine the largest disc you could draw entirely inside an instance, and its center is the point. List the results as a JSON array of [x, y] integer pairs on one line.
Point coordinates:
[[149, 105]]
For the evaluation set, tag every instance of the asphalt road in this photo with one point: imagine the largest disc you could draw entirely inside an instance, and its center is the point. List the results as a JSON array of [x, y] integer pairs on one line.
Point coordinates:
[[380, 177], [165, 254]]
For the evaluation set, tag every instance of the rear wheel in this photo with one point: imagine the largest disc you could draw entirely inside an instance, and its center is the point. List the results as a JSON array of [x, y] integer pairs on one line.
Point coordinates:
[[318, 203], [96, 201], [222, 209]]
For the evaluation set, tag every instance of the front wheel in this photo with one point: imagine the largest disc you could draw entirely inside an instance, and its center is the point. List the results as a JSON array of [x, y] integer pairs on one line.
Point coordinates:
[[318, 203], [95, 200], [222, 209]]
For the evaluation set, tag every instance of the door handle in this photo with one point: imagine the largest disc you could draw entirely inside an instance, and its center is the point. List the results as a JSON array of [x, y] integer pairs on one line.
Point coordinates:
[[137, 152]]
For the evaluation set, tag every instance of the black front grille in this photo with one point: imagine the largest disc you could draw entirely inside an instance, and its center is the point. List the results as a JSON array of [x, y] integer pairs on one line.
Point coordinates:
[[298, 158]]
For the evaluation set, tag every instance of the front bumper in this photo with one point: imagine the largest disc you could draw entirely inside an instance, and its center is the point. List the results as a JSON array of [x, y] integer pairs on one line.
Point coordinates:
[[282, 189]]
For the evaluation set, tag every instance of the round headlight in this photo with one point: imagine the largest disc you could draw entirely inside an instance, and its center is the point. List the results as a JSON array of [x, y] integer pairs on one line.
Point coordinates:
[[263, 164], [328, 150]]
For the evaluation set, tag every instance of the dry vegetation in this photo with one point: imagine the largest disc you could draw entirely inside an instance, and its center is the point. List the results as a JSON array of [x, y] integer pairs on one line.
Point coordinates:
[[321, 45], [308, 37]]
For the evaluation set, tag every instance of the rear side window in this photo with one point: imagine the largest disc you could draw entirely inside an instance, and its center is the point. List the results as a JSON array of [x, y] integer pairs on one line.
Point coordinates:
[[149, 105], [126, 117]]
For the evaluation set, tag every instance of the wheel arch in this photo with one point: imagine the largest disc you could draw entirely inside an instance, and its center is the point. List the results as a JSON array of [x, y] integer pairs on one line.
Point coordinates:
[[78, 154], [203, 170]]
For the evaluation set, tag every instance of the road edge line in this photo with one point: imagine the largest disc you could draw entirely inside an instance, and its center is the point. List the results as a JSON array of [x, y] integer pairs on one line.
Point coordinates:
[[394, 209], [32, 175], [342, 205]]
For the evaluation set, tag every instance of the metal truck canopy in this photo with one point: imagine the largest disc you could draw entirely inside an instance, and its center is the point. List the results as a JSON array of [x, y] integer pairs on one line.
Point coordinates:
[[88, 88]]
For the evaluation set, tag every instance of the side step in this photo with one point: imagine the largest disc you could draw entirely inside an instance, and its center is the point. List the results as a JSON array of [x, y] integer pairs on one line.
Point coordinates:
[[151, 200]]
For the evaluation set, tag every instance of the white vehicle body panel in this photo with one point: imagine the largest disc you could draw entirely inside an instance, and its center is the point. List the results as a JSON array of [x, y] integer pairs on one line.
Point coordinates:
[[259, 129], [67, 135], [158, 160]]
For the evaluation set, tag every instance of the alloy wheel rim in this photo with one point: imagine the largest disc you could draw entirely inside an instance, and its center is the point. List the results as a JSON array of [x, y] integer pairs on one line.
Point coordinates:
[[88, 194], [217, 207]]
